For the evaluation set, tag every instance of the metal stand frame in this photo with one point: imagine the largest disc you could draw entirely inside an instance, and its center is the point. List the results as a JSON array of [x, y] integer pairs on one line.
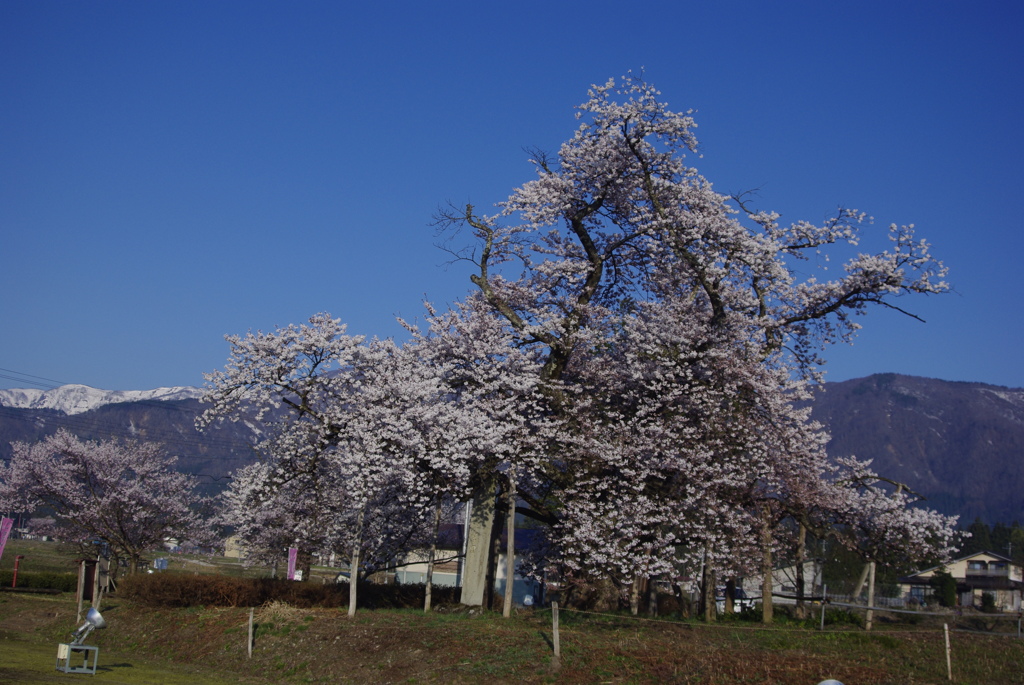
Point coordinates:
[[65, 652]]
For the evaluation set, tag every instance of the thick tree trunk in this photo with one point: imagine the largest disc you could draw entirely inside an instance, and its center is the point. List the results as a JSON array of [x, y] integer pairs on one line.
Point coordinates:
[[801, 555], [430, 559], [708, 588], [491, 581], [730, 596], [710, 609], [652, 597], [860, 582], [478, 546], [634, 596], [682, 600], [767, 608]]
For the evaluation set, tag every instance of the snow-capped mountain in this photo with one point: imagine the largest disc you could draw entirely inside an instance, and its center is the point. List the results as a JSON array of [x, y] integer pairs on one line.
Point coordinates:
[[77, 399]]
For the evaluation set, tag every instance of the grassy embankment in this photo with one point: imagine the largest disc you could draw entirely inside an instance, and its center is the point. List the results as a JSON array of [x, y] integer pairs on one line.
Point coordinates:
[[208, 645]]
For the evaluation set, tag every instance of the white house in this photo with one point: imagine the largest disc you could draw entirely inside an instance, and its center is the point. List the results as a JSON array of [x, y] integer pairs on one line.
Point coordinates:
[[784, 582], [975, 575]]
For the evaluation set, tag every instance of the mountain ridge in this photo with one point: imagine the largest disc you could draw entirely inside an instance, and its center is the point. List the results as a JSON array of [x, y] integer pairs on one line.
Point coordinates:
[[960, 444], [957, 443], [77, 399]]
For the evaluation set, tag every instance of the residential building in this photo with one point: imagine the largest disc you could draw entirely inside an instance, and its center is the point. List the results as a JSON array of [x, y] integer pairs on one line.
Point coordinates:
[[975, 575]]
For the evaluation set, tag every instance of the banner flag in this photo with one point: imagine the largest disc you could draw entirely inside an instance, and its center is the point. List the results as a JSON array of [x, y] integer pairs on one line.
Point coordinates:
[[5, 530], [293, 554]]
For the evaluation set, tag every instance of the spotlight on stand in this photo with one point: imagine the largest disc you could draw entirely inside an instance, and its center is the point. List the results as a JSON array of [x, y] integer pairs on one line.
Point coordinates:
[[65, 652], [93, 620]]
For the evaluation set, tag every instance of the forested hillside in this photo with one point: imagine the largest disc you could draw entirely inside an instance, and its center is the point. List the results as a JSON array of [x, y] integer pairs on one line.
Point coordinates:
[[959, 444], [214, 454]]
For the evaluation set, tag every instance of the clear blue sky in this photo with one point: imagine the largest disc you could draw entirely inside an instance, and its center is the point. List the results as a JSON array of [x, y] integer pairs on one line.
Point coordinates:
[[172, 172]]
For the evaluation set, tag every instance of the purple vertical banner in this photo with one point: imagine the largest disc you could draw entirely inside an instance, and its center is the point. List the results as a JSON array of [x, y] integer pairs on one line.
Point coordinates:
[[5, 530], [293, 555]]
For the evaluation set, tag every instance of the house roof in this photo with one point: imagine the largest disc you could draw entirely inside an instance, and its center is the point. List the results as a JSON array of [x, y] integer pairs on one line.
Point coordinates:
[[999, 557]]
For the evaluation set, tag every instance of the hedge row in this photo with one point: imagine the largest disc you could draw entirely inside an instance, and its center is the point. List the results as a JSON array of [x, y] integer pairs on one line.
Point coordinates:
[[48, 580], [169, 589]]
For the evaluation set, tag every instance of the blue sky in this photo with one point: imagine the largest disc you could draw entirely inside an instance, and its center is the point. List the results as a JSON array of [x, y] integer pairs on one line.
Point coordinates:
[[173, 172]]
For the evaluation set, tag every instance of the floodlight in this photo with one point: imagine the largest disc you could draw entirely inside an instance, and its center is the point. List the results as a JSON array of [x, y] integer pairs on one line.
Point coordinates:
[[93, 620], [75, 648]]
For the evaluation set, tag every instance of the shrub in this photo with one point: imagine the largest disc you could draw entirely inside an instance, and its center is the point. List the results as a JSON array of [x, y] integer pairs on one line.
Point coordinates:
[[42, 580], [945, 588], [839, 616], [185, 590]]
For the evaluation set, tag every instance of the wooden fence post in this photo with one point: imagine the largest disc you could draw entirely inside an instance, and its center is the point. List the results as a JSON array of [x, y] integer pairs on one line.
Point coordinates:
[[554, 634], [81, 588], [949, 661]]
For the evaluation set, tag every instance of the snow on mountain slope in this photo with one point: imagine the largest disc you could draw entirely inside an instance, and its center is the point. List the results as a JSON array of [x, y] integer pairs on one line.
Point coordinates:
[[76, 399]]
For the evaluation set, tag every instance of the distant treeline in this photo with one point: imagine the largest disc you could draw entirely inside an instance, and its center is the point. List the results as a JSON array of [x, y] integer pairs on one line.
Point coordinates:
[[1007, 540]]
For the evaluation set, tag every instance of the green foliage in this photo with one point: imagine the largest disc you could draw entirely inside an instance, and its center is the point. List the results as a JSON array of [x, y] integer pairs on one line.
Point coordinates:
[[945, 588], [46, 580], [1007, 540], [843, 617], [190, 590], [980, 540], [988, 602]]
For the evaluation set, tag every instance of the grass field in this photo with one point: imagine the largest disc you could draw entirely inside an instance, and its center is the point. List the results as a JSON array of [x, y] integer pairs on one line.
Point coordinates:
[[453, 645], [209, 645], [54, 557]]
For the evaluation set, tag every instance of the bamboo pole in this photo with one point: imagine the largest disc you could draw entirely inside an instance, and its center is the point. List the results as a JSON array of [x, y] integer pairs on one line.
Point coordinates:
[[353, 569], [801, 558], [251, 610], [871, 596], [510, 550], [555, 643], [824, 600]]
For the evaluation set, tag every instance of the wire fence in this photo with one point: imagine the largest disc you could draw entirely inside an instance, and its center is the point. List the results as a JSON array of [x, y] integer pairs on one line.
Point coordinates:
[[900, 621]]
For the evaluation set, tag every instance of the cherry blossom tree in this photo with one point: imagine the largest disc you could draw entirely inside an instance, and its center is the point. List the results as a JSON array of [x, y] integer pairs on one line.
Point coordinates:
[[364, 441], [625, 372], [319, 395], [673, 327], [124, 494]]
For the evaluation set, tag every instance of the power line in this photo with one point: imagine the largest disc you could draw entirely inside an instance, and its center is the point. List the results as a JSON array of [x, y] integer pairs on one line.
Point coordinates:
[[26, 381], [185, 444], [26, 376]]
